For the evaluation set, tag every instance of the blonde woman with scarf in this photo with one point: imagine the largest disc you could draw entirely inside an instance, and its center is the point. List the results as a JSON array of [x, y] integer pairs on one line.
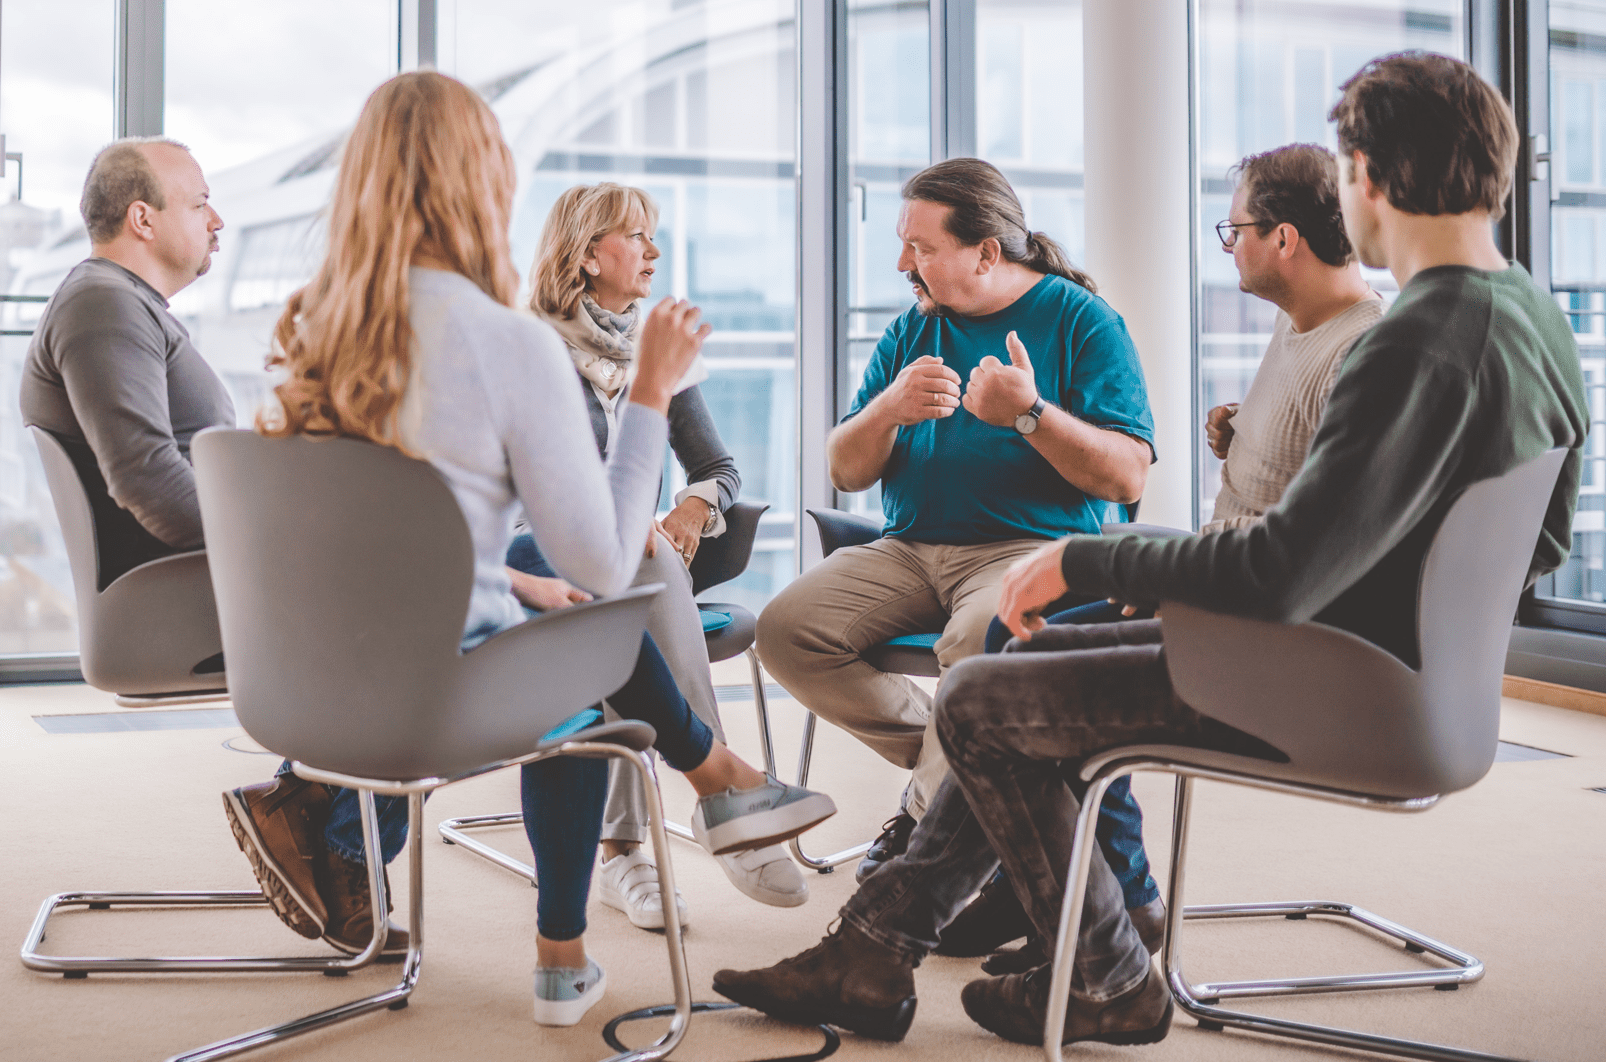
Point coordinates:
[[592, 272]]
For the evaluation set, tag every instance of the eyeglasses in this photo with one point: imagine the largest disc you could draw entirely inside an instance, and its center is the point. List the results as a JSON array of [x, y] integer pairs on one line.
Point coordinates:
[[1228, 231]]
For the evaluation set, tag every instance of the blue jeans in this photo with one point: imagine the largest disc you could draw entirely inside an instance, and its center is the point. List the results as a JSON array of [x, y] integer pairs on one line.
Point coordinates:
[[1120, 826], [562, 797]]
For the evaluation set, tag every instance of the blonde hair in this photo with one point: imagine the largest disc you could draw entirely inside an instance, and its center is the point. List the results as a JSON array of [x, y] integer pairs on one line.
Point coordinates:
[[425, 169], [581, 216]]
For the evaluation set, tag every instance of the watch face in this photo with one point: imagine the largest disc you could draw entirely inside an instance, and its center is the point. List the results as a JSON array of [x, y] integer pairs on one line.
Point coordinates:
[[1025, 423]]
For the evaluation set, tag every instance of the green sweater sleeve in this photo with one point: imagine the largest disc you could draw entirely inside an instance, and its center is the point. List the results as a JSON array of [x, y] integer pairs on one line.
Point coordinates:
[[1384, 457]]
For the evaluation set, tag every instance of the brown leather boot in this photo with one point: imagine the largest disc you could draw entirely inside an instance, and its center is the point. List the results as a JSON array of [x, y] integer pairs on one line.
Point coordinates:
[[1016, 1006], [846, 980], [344, 888], [279, 827]]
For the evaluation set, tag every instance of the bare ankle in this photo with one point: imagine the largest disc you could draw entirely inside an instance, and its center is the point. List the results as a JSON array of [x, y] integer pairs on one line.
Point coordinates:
[[615, 849], [722, 770]]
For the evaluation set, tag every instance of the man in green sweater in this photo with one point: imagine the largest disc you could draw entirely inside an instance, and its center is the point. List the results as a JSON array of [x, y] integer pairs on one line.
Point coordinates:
[[1471, 373]]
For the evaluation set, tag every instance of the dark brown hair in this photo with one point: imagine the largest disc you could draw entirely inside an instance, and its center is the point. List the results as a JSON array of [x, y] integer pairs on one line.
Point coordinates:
[[983, 207], [1438, 139], [1297, 185]]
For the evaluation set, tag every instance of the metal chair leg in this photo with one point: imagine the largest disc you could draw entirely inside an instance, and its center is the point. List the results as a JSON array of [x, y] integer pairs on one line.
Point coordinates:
[[824, 864], [452, 831], [1200, 1000], [80, 966], [393, 998]]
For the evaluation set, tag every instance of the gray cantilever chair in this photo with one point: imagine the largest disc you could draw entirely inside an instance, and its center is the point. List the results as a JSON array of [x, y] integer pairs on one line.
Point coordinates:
[[149, 635], [718, 561], [343, 572], [1358, 727]]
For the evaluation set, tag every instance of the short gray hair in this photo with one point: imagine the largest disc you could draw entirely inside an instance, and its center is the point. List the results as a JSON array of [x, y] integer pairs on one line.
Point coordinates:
[[119, 177]]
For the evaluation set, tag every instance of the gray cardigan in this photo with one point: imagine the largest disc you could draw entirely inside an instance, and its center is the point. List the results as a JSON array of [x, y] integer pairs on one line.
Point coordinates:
[[692, 436]]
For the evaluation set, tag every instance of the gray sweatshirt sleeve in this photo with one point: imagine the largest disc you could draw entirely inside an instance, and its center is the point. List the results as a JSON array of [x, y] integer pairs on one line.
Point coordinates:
[[112, 356], [698, 447], [591, 520]]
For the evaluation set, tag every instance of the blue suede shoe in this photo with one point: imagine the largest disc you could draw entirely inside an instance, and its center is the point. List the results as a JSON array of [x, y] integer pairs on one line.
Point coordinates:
[[739, 819]]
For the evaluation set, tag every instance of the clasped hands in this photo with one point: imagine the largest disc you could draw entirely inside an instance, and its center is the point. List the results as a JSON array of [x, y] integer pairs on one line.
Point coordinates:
[[996, 393]]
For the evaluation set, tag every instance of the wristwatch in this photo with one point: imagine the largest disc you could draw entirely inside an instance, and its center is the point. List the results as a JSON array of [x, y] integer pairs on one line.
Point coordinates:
[[1026, 423], [713, 516]]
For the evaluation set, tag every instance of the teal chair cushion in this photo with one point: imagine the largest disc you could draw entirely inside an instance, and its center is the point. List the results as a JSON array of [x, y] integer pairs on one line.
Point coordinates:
[[915, 641]]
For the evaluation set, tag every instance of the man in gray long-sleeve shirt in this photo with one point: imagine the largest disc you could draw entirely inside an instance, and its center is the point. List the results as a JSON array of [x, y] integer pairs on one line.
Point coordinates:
[[111, 373], [1472, 372]]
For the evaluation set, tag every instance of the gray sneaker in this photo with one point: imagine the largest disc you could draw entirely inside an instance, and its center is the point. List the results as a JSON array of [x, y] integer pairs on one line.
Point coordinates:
[[739, 819]]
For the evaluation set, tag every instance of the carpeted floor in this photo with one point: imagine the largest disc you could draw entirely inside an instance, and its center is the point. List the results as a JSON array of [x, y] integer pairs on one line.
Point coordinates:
[[1513, 871]]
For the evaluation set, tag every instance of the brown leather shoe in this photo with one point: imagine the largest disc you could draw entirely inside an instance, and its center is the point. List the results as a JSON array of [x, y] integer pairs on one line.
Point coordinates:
[[846, 980], [993, 919], [279, 827], [1015, 1007], [344, 888], [1148, 920]]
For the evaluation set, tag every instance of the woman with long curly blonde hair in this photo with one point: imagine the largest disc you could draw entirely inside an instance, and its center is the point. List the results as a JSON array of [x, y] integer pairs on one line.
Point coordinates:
[[406, 336]]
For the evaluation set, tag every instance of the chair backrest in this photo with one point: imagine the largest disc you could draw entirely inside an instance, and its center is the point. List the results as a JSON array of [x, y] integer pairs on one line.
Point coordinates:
[[838, 529], [343, 571], [1472, 578], [146, 631], [1350, 715], [75, 516], [719, 560]]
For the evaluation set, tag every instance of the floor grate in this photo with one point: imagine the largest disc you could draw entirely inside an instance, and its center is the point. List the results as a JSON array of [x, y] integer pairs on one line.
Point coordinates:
[[1511, 752], [114, 722]]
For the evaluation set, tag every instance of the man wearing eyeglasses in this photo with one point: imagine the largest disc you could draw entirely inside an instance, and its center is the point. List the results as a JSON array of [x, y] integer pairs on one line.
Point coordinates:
[[1286, 237]]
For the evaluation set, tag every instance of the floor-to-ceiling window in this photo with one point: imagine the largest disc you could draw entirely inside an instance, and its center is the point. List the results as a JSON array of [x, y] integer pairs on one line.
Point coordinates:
[[55, 112], [693, 101], [1269, 73]]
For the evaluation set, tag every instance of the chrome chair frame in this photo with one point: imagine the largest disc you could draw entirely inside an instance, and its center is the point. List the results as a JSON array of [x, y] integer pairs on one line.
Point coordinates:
[[396, 997], [81, 966], [1200, 1001]]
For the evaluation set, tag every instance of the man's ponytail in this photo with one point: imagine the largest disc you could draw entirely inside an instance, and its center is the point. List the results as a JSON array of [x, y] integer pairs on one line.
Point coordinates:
[[1046, 256]]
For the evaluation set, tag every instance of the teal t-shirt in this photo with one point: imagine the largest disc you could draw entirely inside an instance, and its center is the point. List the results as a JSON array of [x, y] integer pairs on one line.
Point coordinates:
[[961, 481]]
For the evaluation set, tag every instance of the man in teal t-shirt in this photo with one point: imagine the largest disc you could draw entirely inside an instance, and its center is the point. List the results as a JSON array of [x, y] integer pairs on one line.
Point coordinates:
[[1007, 408]]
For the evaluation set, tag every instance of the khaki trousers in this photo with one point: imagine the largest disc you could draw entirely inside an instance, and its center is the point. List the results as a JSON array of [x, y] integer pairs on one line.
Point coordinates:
[[811, 634]]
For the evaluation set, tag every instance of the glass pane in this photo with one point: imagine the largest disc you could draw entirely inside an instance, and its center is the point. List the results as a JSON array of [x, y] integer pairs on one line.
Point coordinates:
[[56, 111], [696, 103], [263, 103], [889, 141], [1269, 72], [1029, 120], [1578, 192]]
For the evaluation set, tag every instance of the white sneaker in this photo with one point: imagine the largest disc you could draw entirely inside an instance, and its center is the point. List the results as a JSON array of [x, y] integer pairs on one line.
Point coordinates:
[[766, 874], [562, 995], [630, 884]]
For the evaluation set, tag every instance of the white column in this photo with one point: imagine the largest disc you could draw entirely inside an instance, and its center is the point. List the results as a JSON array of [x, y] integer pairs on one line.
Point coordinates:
[[1138, 216]]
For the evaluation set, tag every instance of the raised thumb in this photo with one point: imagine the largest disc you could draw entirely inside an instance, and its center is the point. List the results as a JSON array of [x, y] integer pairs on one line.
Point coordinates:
[[1017, 352]]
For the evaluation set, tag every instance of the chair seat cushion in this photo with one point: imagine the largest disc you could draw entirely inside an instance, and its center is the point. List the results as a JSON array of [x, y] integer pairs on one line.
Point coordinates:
[[574, 724], [908, 654], [714, 620], [919, 641], [733, 638]]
